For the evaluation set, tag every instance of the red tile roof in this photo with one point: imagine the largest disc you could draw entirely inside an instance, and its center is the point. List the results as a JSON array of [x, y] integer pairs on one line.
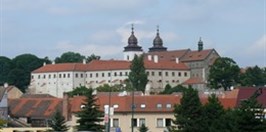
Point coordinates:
[[61, 67], [34, 107], [168, 55], [102, 65], [193, 80], [197, 55], [166, 65], [246, 92]]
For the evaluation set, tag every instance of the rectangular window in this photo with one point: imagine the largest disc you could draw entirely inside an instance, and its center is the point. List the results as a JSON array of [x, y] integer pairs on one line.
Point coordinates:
[[173, 74], [141, 121], [43, 76], [96, 74], [185, 74], [148, 73], [39, 76], [159, 106], [168, 106], [68, 75], [102, 74], [126, 73], [121, 74], [134, 122], [60, 75], [49, 76], [81, 75], [64, 75], [90, 74], [160, 73], [109, 74], [179, 74], [54, 75], [160, 122], [152, 73], [115, 122], [77, 75], [168, 122], [115, 74], [166, 73], [32, 77]]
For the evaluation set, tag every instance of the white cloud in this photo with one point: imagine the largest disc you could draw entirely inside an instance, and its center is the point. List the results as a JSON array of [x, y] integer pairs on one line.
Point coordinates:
[[88, 49], [258, 47]]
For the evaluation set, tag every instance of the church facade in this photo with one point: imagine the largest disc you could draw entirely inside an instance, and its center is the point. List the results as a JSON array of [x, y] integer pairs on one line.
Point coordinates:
[[175, 67]]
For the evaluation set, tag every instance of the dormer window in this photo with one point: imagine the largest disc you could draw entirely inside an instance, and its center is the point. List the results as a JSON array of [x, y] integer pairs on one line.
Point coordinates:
[[115, 106], [159, 105], [142, 106], [168, 106]]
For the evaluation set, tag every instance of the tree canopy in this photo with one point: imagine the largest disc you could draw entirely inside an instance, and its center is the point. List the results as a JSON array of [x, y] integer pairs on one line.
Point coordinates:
[[69, 57], [90, 116], [58, 121], [224, 73], [138, 76], [253, 76]]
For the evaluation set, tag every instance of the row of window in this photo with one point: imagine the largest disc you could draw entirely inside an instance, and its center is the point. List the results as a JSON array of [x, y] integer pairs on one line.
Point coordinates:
[[81, 75], [143, 106], [137, 122]]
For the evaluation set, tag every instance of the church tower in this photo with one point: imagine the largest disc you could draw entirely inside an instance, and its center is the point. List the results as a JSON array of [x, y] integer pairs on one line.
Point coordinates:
[[200, 45], [132, 48], [157, 43]]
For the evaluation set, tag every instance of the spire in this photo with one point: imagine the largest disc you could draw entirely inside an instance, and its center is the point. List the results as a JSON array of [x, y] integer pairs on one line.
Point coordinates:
[[132, 40], [200, 45], [157, 42]]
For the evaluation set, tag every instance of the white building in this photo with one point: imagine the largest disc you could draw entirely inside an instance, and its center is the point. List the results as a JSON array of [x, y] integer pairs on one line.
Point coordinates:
[[163, 67]]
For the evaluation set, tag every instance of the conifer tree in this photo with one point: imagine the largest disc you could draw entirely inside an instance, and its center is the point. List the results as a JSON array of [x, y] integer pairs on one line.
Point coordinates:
[[58, 122], [90, 116], [138, 75], [143, 128], [188, 113]]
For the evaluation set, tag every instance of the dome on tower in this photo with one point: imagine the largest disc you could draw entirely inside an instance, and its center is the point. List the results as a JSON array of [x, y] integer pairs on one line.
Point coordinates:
[[157, 43], [132, 43]]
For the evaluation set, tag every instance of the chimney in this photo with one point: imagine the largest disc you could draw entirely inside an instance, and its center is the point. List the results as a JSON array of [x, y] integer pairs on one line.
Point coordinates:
[[84, 61], [53, 62], [155, 57], [44, 63], [5, 85], [149, 57], [65, 109], [177, 60]]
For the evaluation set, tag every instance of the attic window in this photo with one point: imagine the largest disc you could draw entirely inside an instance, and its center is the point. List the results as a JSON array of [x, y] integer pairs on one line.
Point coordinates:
[[115, 106], [82, 106], [159, 105], [168, 106], [142, 106]]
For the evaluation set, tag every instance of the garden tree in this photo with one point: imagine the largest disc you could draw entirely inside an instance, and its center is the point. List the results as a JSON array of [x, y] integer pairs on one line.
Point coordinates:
[[169, 90], [224, 73], [114, 88], [253, 76], [27, 62], [58, 122], [90, 116], [138, 76], [93, 57], [143, 128], [79, 91], [212, 112], [188, 113], [19, 78], [5, 67], [2, 123], [69, 57]]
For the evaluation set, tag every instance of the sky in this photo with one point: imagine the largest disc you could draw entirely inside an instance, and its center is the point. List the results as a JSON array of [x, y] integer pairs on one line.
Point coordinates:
[[234, 28]]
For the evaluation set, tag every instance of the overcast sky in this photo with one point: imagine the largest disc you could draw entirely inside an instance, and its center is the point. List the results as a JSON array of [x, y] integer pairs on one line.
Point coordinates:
[[235, 28]]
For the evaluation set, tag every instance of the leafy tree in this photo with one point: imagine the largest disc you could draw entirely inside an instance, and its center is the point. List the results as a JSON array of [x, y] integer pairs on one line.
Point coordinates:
[[79, 91], [5, 67], [188, 113], [212, 112], [108, 88], [19, 78], [223, 73], [169, 90], [93, 57], [2, 123], [143, 128], [253, 76], [27, 62], [138, 76], [58, 122], [69, 57], [90, 116]]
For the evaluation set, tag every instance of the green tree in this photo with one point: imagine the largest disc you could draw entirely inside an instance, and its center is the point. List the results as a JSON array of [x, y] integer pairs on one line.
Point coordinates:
[[2, 123], [93, 57], [188, 113], [169, 90], [79, 91], [90, 116], [253, 76], [69, 57], [143, 128], [58, 122], [19, 78], [138, 76], [108, 88], [224, 73], [5, 67], [212, 112]]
